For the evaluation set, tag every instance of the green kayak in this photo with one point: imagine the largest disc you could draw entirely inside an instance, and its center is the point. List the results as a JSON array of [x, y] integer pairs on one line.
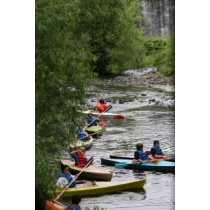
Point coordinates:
[[95, 129]]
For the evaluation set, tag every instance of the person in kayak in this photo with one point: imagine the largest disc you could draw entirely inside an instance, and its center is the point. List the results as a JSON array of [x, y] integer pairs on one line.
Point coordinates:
[[81, 134], [140, 156], [76, 199], [65, 178], [79, 157], [157, 157], [101, 105], [156, 145], [91, 120]]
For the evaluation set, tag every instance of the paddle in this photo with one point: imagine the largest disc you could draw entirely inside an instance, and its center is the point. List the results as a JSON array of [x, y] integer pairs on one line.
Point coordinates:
[[106, 110], [89, 135], [59, 203], [88, 163], [97, 102]]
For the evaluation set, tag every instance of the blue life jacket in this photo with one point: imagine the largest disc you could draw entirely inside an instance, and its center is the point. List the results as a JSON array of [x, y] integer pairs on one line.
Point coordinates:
[[69, 178], [142, 155], [90, 120], [81, 135], [73, 208], [159, 151]]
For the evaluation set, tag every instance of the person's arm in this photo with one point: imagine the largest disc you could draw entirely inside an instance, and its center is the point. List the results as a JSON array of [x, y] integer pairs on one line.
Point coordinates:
[[161, 152], [74, 155], [136, 158], [150, 158], [73, 152], [87, 135]]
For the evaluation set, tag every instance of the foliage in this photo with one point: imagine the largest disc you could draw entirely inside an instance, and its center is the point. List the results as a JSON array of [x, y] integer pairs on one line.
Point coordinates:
[[154, 45], [77, 40], [62, 73], [165, 61], [114, 39], [160, 52]]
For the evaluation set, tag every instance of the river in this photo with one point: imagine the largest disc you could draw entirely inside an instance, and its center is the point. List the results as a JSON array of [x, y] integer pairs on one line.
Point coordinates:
[[146, 121]]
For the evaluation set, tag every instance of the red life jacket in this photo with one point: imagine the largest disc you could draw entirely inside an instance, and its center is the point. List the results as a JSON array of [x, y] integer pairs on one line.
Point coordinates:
[[81, 162], [104, 105]]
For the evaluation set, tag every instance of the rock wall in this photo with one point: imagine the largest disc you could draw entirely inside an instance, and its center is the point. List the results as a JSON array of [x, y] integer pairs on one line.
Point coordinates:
[[159, 17]]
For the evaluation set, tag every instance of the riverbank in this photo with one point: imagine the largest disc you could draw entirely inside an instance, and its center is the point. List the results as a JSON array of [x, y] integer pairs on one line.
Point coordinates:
[[146, 79], [141, 77]]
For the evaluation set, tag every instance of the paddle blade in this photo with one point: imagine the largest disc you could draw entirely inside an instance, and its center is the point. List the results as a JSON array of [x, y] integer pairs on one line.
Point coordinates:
[[119, 116], [90, 161], [108, 108]]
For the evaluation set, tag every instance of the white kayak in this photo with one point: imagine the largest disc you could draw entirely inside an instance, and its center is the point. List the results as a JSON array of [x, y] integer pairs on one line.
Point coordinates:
[[105, 114], [79, 143]]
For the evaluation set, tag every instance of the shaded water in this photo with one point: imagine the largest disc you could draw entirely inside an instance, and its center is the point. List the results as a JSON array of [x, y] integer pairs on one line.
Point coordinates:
[[145, 122]]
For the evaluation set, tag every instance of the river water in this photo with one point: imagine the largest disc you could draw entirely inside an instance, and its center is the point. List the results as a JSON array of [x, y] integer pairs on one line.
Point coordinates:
[[145, 121]]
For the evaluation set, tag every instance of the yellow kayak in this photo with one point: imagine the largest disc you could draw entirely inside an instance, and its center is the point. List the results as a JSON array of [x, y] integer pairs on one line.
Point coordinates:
[[102, 188]]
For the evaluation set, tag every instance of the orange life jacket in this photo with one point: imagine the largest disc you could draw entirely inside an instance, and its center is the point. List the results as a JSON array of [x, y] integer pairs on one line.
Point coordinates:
[[101, 107], [81, 162], [104, 105]]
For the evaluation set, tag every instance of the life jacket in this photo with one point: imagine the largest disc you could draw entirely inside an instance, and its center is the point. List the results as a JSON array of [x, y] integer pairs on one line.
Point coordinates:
[[69, 178], [90, 120], [73, 208], [81, 162], [159, 151], [142, 155], [81, 135], [101, 107], [104, 105]]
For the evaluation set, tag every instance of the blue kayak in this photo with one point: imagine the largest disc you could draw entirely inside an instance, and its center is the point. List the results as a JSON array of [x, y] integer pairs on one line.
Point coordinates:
[[161, 165], [130, 157]]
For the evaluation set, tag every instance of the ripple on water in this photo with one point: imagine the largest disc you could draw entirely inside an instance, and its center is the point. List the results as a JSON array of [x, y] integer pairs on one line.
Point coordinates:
[[120, 137]]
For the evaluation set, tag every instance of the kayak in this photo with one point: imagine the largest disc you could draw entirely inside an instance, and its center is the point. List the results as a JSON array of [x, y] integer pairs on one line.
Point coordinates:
[[161, 165], [172, 157], [92, 172], [79, 143], [53, 206], [131, 157], [105, 114], [102, 188], [95, 129]]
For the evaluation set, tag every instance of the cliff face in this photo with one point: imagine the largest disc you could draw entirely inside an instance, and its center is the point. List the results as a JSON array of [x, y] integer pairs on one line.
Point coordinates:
[[159, 17]]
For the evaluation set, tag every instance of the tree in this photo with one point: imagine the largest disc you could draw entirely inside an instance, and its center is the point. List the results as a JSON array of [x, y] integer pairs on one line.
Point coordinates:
[[114, 40], [73, 39], [62, 72], [165, 61]]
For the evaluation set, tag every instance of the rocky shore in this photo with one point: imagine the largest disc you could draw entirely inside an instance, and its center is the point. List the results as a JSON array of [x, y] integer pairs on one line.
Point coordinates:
[[141, 77], [146, 77]]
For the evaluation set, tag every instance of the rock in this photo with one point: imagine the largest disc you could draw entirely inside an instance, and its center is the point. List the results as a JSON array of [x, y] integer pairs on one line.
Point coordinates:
[[143, 94], [121, 101]]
